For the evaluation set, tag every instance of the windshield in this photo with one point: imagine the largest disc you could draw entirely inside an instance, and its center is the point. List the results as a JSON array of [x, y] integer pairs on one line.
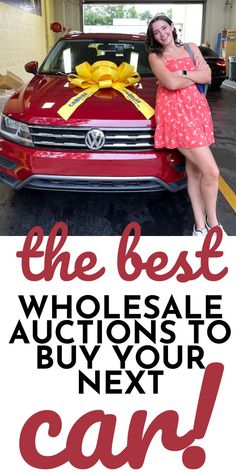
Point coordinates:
[[67, 54]]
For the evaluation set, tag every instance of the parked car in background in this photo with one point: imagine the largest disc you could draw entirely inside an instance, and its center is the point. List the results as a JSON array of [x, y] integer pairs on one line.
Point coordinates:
[[107, 144], [217, 65]]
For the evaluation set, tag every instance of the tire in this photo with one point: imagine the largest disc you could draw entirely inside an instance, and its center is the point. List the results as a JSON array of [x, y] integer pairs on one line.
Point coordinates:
[[217, 83]]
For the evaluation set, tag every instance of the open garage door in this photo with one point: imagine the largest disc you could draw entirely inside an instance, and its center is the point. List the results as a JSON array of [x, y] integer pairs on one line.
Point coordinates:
[[133, 16]]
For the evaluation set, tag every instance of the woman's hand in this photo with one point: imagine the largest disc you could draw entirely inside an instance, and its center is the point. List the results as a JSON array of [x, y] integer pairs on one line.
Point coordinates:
[[178, 73], [200, 63]]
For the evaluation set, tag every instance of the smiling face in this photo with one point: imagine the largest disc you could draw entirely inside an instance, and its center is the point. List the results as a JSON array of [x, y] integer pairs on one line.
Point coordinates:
[[163, 32]]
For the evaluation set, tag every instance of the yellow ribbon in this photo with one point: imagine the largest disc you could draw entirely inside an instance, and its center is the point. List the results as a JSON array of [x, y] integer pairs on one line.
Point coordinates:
[[104, 74]]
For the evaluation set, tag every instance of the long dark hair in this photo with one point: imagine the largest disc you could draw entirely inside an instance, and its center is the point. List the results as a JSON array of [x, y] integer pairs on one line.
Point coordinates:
[[152, 45]]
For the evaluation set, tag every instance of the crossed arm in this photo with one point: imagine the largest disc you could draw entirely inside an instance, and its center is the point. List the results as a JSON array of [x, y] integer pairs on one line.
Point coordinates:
[[175, 80]]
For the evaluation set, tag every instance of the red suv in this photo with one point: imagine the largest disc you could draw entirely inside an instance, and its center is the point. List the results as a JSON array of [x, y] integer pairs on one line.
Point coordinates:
[[105, 145]]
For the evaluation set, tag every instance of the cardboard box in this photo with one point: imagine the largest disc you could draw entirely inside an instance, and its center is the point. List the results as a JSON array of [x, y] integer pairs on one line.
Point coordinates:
[[10, 81], [3, 99]]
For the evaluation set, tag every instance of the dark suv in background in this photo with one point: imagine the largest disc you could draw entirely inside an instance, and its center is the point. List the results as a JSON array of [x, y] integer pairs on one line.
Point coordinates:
[[217, 65]]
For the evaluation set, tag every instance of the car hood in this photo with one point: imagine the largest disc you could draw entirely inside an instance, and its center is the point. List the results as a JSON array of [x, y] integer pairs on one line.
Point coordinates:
[[39, 102]]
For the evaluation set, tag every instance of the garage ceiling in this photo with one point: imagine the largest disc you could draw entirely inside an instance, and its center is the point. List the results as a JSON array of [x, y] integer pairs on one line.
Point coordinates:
[[143, 2]]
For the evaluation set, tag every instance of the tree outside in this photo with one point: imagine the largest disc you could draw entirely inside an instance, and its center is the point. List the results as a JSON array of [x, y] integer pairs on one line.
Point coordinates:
[[104, 14]]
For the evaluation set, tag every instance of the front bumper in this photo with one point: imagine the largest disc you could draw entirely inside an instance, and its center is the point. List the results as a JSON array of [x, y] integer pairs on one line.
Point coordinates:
[[94, 184], [44, 169]]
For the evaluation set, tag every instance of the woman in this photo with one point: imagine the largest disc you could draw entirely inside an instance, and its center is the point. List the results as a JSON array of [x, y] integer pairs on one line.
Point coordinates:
[[183, 116]]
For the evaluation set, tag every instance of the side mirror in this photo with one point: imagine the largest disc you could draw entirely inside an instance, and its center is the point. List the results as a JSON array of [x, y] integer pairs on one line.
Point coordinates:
[[31, 67]]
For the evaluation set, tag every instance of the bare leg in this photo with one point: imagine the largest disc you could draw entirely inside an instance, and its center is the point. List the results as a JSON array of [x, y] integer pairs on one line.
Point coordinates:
[[204, 196], [194, 191]]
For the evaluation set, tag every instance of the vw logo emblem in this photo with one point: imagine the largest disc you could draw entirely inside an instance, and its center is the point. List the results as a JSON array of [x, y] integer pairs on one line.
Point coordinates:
[[95, 138]]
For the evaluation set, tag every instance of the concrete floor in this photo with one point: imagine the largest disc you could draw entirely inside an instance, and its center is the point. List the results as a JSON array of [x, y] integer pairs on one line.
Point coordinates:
[[107, 214]]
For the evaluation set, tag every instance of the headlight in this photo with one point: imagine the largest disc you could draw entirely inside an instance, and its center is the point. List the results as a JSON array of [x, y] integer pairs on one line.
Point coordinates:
[[15, 131]]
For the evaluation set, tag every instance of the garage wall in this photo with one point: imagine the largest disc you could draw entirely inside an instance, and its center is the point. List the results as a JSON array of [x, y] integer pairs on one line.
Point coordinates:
[[217, 18], [23, 37], [67, 12]]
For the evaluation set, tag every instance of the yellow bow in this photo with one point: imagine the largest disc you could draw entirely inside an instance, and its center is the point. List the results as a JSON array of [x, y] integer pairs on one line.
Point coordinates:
[[104, 74]]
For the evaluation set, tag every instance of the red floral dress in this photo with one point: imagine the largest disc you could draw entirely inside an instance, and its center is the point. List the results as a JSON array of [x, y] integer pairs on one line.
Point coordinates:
[[183, 117]]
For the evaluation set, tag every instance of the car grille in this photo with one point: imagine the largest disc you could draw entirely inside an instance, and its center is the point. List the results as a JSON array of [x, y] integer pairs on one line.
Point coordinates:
[[97, 184], [73, 138]]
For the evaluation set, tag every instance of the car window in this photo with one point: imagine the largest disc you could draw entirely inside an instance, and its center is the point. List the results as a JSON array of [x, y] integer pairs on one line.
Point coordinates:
[[67, 54]]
